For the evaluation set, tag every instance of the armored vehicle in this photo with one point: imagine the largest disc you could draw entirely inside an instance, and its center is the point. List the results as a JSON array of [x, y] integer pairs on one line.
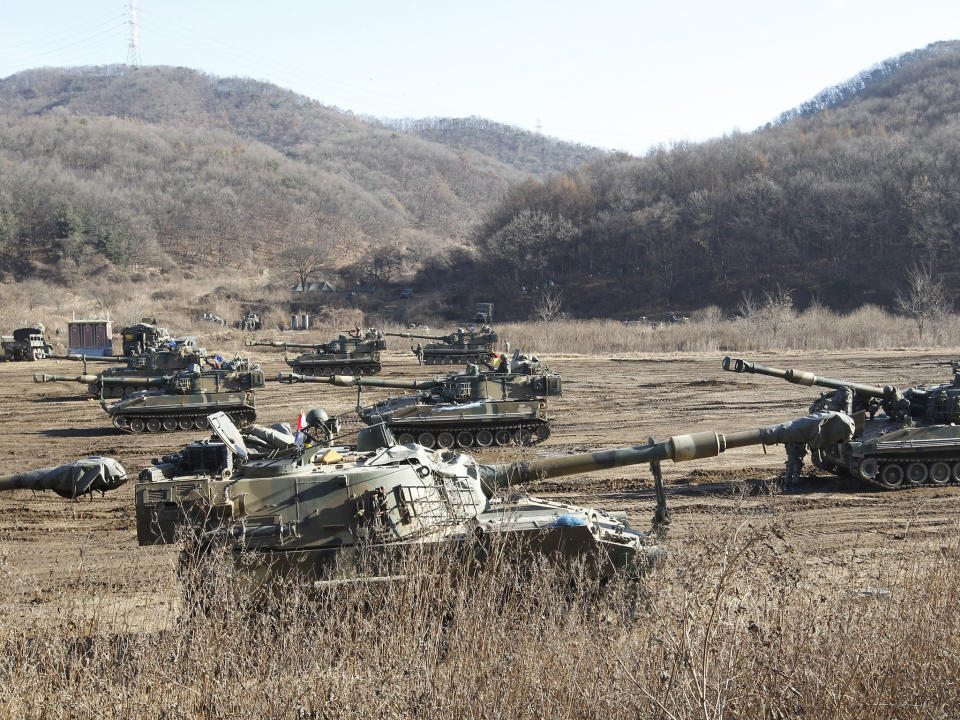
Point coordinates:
[[355, 353], [457, 348], [312, 508], [149, 362], [142, 336], [25, 344], [902, 439], [462, 410], [82, 477], [181, 401]]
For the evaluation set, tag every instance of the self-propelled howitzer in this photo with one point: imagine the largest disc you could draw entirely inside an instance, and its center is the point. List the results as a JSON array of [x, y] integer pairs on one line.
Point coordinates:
[[354, 353], [903, 438], [457, 348], [90, 475], [461, 410], [181, 401], [149, 362], [318, 506]]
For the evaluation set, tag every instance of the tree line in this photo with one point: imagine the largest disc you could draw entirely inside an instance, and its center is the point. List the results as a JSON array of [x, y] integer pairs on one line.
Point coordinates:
[[836, 205]]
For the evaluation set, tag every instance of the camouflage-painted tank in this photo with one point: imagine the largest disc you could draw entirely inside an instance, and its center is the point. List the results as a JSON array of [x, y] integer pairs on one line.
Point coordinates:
[[181, 401], [354, 353], [314, 508], [82, 477], [903, 439], [457, 348], [149, 362], [461, 410]]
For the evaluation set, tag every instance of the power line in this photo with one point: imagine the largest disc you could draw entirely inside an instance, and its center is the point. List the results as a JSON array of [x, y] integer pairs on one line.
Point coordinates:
[[133, 49]]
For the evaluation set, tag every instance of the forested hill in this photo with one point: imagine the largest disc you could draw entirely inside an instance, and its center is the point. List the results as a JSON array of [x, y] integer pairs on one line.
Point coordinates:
[[531, 152], [168, 165], [834, 204]]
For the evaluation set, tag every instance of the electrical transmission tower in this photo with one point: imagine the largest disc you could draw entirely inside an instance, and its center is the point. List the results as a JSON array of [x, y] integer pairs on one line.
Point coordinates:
[[133, 47]]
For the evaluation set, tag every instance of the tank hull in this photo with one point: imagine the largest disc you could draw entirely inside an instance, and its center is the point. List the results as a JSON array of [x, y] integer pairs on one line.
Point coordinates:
[[446, 355], [161, 412], [482, 423], [892, 456], [327, 364]]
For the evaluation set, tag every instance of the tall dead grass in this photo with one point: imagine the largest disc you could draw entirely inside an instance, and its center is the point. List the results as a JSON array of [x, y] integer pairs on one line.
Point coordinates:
[[734, 624], [179, 302], [814, 329]]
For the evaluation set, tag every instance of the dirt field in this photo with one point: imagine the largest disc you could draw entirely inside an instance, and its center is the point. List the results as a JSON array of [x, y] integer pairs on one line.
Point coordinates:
[[59, 553]]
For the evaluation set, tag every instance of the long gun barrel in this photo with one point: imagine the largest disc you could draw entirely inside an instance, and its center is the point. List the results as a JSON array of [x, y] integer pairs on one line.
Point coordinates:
[[72, 480], [91, 358], [157, 381], [445, 338], [350, 381], [281, 344], [817, 430], [799, 377]]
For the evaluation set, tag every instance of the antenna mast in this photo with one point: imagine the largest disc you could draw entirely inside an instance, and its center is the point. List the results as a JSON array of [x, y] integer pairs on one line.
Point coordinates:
[[133, 47]]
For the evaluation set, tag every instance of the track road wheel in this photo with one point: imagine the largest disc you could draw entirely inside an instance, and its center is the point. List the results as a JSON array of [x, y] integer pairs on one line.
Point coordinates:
[[136, 425], [406, 438], [185, 423], [542, 432], [464, 439], [153, 425], [484, 438], [917, 473], [522, 436], [170, 424], [503, 437], [200, 423], [891, 475], [868, 468], [427, 439], [118, 423], [940, 473], [445, 440]]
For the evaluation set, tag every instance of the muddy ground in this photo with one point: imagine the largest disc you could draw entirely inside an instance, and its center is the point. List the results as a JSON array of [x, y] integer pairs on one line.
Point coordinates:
[[58, 555]]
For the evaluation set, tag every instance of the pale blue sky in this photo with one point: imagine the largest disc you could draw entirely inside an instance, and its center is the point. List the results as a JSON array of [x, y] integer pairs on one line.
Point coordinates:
[[621, 75]]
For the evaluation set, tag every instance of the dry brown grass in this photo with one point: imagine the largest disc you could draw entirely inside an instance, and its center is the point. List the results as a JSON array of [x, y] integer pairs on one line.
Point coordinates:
[[733, 625], [178, 302], [816, 328]]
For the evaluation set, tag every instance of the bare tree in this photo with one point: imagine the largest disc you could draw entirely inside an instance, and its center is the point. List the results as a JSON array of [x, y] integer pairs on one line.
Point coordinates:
[[304, 260], [549, 307], [924, 298]]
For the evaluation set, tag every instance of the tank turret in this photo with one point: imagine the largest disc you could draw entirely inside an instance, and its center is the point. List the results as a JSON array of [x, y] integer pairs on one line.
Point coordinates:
[[94, 474], [166, 361], [468, 409], [311, 509], [905, 438]]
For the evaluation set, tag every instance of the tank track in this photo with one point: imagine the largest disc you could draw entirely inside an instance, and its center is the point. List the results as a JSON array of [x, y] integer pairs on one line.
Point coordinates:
[[907, 465], [456, 359], [499, 434], [355, 369], [138, 423], [921, 469]]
